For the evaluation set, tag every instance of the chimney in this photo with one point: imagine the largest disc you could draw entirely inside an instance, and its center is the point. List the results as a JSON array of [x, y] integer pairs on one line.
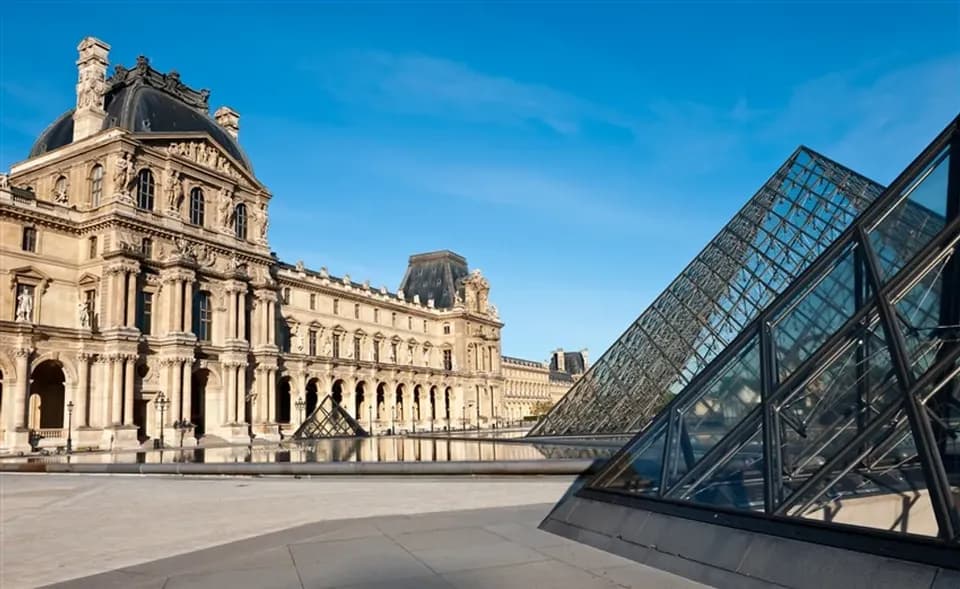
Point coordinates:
[[586, 359], [229, 119], [91, 86], [561, 365]]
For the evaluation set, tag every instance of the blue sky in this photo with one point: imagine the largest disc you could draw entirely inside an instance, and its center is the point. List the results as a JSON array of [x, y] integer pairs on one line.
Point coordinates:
[[579, 154]]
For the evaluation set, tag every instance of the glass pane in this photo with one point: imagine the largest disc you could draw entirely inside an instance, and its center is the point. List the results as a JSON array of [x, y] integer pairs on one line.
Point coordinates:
[[885, 491], [641, 473], [918, 312], [826, 412], [736, 482], [816, 314], [716, 409], [918, 217]]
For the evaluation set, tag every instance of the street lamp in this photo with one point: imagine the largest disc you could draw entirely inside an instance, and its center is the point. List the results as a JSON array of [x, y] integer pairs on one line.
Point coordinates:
[[161, 403], [370, 412], [393, 418], [182, 426], [300, 404], [69, 427]]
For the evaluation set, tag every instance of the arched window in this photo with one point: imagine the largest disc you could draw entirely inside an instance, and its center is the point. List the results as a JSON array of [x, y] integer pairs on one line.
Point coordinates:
[[60, 190], [145, 190], [196, 206], [240, 221], [96, 185]]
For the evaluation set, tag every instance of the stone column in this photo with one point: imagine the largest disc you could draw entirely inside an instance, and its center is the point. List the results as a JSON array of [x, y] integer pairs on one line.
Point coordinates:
[[17, 416], [105, 371], [176, 387], [116, 391], [241, 315], [187, 306], [231, 323], [173, 290], [83, 390], [272, 395], [230, 389], [187, 380], [128, 392], [131, 294], [241, 394]]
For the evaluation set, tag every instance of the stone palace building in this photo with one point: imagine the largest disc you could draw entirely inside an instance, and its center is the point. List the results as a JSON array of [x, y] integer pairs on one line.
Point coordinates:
[[135, 264]]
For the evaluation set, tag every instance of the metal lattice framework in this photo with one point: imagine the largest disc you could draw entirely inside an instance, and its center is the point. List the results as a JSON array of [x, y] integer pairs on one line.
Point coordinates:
[[329, 420], [842, 394], [794, 217]]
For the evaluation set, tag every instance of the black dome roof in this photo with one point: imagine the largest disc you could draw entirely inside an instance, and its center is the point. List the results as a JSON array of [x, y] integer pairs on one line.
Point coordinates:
[[143, 100]]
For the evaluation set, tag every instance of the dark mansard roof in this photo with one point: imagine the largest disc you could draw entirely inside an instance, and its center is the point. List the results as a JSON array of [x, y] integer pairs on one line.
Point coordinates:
[[143, 100], [435, 275]]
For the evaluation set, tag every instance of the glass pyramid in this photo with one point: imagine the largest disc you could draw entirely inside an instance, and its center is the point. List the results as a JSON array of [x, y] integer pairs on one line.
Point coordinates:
[[840, 402], [329, 420], [794, 217]]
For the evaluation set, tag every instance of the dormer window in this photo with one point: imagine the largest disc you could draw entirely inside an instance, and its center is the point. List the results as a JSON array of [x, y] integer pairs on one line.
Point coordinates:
[[145, 190]]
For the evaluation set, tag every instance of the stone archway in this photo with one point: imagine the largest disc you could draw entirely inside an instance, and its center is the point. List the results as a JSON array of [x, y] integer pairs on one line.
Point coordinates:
[[283, 400], [337, 392], [433, 404], [311, 397], [399, 411], [381, 402], [198, 400], [47, 396], [359, 399]]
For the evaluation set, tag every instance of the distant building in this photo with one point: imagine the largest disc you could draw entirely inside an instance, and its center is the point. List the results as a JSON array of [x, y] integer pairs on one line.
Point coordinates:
[[529, 387]]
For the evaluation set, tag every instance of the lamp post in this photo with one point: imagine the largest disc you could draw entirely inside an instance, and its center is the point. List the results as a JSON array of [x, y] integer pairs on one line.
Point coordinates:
[[393, 417], [69, 427], [182, 426], [161, 403], [370, 413], [300, 404]]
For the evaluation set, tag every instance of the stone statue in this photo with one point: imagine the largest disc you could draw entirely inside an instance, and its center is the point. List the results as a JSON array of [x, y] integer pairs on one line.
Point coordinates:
[[4, 181], [264, 222], [300, 266], [61, 194], [24, 306], [226, 207], [90, 90], [122, 173], [299, 338], [493, 312], [327, 347], [174, 191], [83, 311]]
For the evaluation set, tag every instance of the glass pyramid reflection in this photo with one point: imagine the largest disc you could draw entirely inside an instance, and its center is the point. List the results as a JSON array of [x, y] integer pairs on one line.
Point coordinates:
[[794, 217], [840, 402]]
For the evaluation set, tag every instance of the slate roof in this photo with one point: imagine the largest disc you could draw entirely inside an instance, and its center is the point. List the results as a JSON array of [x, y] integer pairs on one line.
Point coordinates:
[[572, 363], [435, 275], [143, 100]]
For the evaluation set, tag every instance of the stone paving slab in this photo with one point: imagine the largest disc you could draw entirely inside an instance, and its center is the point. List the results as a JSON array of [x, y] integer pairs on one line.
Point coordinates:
[[491, 548]]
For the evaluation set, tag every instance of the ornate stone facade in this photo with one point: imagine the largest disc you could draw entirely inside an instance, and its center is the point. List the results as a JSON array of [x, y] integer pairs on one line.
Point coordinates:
[[134, 264], [531, 388]]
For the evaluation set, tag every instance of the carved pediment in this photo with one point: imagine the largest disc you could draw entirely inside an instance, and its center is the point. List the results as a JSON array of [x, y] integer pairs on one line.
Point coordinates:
[[87, 279], [208, 154], [29, 275]]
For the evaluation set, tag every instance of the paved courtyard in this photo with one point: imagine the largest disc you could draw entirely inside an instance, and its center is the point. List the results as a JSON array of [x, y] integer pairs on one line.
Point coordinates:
[[121, 531]]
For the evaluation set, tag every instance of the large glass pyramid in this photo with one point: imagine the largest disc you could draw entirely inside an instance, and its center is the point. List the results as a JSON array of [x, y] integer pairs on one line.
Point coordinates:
[[840, 403], [794, 217]]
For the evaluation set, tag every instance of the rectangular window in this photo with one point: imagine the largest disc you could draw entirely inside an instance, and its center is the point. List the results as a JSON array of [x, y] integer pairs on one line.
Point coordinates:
[[356, 311], [446, 329], [336, 345], [448, 359], [356, 347], [312, 341], [410, 323], [424, 326], [29, 242], [336, 306], [145, 316], [313, 302], [146, 247], [90, 300], [203, 316], [393, 320], [376, 315], [92, 247], [25, 291], [376, 350], [286, 296]]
